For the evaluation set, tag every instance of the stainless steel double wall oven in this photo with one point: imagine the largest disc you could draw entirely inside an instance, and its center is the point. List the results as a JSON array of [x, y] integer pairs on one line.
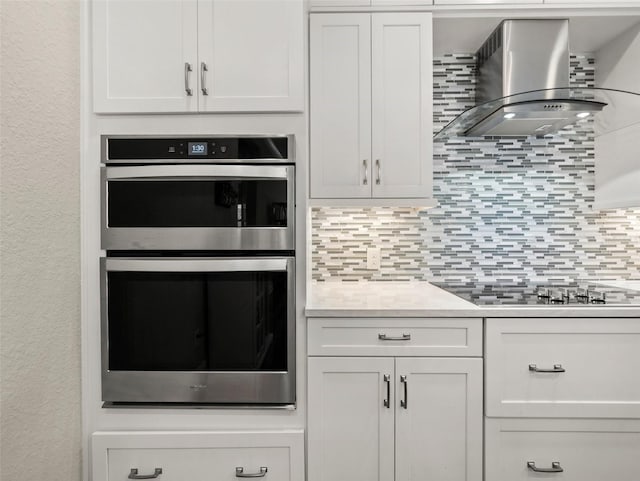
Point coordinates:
[[198, 281]]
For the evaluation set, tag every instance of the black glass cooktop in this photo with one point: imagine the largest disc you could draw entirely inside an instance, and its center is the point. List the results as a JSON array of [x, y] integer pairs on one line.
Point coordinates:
[[553, 295]]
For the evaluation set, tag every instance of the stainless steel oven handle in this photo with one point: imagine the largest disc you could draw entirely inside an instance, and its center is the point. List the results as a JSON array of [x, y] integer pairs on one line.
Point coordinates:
[[164, 172], [136, 264]]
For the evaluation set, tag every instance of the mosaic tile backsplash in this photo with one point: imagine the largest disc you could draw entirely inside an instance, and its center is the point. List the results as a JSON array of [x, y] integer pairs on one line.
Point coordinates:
[[509, 210]]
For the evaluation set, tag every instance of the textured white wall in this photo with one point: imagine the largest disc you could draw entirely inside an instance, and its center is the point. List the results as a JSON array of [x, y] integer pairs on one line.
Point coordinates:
[[39, 241]]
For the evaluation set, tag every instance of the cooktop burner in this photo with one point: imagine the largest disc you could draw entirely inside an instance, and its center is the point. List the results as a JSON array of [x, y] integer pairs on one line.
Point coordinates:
[[555, 295]]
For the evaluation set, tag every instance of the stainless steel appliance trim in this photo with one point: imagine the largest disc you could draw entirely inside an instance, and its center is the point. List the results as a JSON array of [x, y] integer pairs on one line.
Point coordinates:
[[196, 387], [104, 141], [235, 264], [199, 238], [205, 172]]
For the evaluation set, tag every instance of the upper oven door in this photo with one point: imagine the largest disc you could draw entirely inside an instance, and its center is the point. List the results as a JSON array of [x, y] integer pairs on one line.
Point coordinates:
[[198, 207]]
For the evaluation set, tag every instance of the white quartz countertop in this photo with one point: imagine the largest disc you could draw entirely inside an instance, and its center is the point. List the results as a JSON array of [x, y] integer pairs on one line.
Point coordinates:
[[379, 299], [422, 299]]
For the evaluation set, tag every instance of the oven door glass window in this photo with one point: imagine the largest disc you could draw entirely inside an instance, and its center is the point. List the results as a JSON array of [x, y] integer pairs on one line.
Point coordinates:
[[197, 203], [197, 321]]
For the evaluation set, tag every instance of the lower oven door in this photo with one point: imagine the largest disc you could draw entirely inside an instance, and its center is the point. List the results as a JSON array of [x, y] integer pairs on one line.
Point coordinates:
[[203, 330]]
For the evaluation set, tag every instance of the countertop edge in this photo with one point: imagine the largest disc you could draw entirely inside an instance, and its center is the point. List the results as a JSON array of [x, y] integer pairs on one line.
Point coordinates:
[[485, 312]]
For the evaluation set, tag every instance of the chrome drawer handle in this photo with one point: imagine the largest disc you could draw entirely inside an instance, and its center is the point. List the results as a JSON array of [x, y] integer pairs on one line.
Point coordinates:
[[241, 474], [379, 179], [556, 368], [134, 474], [555, 468], [387, 402], [404, 402], [404, 337]]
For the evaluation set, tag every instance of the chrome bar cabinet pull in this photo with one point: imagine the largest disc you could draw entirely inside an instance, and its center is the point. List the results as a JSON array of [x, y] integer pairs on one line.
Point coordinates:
[[134, 474], [203, 78], [387, 402], [241, 474], [404, 337], [556, 368], [187, 69], [555, 468], [364, 167], [379, 171], [404, 402]]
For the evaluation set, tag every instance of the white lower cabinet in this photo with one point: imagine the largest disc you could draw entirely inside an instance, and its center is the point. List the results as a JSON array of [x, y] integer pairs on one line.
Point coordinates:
[[402, 419], [563, 367], [563, 399], [571, 449], [198, 456]]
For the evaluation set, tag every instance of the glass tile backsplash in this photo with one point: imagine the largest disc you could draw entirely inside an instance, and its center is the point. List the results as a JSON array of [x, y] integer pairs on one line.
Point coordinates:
[[508, 209]]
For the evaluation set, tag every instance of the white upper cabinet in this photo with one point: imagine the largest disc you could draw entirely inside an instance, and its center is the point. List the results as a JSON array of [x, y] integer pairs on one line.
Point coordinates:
[[204, 55], [482, 2], [402, 79], [371, 105], [253, 54], [587, 2], [141, 53], [367, 3], [341, 105], [617, 156]]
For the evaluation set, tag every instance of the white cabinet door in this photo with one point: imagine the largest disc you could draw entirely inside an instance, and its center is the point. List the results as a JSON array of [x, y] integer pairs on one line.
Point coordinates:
[[366, 3], [140, 49], [402, 105], [371, 78], [340, 107], [601, 3], [563, 367], [483, 2], [438, 419], [350, 429], [584, 449], [253, 51]]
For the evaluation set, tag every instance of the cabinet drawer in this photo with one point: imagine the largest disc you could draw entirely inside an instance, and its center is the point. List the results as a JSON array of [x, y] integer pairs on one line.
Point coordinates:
[[597, 363], [586, 450], [394, 337], [198, 456]]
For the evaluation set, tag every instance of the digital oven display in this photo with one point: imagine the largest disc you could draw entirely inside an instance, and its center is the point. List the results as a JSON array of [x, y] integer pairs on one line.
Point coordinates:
[[197, 148]]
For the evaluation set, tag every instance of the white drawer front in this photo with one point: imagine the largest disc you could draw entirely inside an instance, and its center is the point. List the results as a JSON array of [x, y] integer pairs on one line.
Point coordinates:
[[586, 450], [600, 359], [199, 464], [394, 337], [198, 456]]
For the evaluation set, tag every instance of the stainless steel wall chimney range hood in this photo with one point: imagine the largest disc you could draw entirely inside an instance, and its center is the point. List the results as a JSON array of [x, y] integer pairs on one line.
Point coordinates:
[[526, 56], [523, 88]]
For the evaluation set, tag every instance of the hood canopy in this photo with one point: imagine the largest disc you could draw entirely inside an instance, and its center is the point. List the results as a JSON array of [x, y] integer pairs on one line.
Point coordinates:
[[608, 110]]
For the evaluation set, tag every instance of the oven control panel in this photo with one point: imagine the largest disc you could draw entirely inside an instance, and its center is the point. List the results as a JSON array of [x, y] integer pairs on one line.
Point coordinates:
[[194, 149]]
